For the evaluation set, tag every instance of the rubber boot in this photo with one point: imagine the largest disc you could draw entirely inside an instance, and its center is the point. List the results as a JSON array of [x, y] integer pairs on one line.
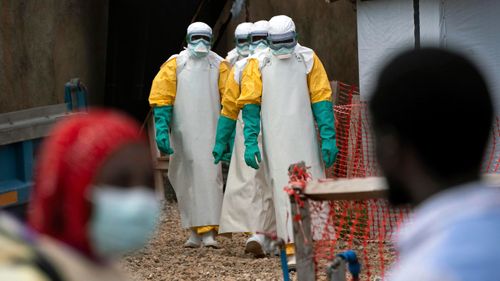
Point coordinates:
[[194, 240]]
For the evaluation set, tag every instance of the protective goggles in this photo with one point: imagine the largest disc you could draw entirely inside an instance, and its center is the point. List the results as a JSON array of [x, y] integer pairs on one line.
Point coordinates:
[[257, 37], [194, 38], [241, 41], [286, 40]]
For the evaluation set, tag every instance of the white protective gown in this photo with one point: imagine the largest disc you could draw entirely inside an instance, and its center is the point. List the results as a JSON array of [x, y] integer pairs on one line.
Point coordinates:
[[248, 201], [196, 180], [233, 56], [289, 134]]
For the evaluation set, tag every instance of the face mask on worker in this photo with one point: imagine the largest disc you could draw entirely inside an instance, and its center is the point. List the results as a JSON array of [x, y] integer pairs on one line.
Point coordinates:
[[123, 219], [283, 45], [242, 46], [258, 46], [199, 44]]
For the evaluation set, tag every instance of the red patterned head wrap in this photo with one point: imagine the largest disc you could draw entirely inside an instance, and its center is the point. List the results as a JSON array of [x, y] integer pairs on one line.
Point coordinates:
[[68, 162]]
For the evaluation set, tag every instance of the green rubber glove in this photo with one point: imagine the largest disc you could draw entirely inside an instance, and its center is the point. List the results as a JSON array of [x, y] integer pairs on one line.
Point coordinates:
[[163, 117], [323, 113], [227, 155], [225, 131], [251, 130]]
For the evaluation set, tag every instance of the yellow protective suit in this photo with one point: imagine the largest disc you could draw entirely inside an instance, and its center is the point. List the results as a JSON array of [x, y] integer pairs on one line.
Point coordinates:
[[193, 86]]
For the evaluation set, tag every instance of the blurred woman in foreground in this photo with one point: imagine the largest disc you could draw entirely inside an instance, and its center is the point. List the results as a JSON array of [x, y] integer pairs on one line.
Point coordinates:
[[92, 202]]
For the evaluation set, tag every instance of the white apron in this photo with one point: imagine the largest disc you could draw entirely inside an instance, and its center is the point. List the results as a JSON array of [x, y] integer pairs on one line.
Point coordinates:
[[248, 200], [196, 180], [288, 131], [233, 56]]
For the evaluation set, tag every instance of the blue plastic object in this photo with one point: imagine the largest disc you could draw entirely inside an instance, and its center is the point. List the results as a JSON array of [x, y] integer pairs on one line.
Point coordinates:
[[16, 174], [75, 95], [284, 265], [353, 264]]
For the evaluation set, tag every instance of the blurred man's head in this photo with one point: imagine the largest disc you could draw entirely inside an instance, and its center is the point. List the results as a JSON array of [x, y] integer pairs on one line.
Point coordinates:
[[432, 115]]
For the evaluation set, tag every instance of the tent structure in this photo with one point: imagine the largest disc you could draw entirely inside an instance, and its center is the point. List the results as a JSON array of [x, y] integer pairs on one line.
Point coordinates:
[[385, 27]]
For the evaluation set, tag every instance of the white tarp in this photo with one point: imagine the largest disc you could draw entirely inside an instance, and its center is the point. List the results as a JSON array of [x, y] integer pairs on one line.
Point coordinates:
[[473, 27], [386, 27]]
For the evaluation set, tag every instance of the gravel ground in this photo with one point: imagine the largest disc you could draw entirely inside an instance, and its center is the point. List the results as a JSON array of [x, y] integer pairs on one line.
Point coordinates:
[[166, 259]]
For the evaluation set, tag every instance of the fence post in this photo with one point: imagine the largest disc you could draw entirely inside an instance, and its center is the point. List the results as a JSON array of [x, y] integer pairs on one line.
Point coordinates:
[[336, 271], [304, 251]]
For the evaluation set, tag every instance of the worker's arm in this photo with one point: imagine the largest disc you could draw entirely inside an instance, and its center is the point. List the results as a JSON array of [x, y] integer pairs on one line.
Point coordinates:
[[321, 102], [164, 87], [251, 84], [224, 68], [249, 101], [318, 83], [224, 138], [230, 107], [162, 99]]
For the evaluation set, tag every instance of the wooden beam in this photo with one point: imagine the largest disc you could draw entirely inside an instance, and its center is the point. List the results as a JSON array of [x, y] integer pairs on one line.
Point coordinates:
[[29, 124], [492, 179], [362, 188], [346, 189]]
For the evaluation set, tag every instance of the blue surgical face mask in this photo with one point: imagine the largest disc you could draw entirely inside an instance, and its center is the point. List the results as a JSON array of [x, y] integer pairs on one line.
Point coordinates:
[[123, 219], [283, 53], [199, 48], [243, 50], [258, 46]]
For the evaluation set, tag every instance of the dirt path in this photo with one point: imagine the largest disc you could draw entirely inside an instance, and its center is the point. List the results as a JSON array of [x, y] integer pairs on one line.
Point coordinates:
[[166, 259]]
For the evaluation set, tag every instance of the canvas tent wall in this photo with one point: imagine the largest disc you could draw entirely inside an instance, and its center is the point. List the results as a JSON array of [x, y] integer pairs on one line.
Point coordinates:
[[385, 27]]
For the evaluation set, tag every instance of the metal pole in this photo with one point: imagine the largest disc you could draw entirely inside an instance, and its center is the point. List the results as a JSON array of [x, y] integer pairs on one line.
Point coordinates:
[[303, 238]]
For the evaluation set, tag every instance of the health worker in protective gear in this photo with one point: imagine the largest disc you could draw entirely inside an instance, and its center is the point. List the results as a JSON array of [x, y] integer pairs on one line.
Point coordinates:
[[287, 89], [247, 205], [185, 96], [241, 40], [241, 51]]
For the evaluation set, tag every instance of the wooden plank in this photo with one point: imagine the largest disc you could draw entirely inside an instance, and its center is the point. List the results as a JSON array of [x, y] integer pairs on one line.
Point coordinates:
[[362, 188], [29, 124], [155, 153], [160, 163], [162, 166], [346, 189], [492, 179]]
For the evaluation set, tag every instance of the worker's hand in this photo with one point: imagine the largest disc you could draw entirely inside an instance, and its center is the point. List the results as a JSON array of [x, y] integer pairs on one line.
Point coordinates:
[[223, 137], [222, 152], [226, 157], [163, 117], [329, 151], [218, 152], [163, 143], [252, 156]]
